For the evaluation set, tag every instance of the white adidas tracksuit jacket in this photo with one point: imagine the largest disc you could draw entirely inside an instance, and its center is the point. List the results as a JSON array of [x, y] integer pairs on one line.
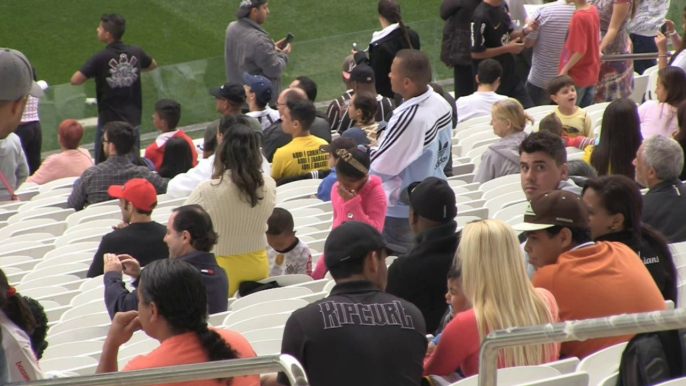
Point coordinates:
[[415, 145]]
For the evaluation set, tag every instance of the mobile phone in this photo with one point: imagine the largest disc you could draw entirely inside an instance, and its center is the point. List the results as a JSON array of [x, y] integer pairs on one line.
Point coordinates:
[[289, 39], [663, 28], [355, 47]]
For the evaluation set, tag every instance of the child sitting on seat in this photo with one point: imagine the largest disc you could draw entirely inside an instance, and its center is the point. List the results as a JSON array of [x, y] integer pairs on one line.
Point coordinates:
[[553, 124], [287, 255]]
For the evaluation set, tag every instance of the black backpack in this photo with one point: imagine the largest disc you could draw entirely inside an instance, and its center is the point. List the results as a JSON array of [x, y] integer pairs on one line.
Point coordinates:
[[653, 358]]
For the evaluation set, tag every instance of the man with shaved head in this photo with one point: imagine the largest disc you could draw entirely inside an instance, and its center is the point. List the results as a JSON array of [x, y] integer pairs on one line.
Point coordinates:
[[274, 136]]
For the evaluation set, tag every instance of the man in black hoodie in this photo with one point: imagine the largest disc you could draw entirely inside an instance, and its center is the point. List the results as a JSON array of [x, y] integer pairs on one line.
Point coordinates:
[[420, 276], [190, 237]]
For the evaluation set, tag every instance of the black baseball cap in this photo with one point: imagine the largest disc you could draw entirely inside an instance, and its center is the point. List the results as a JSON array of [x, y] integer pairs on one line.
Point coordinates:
[[231, 91], [354, 240], [247, 5], [432, 199], [362, 73]]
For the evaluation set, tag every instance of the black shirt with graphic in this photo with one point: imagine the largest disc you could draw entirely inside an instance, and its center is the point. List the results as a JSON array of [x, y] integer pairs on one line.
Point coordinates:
[[360, 336], [491, 28], [117, 71]]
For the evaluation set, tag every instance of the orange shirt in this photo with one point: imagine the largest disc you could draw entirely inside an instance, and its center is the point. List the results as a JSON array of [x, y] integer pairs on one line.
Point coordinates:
[[185, 349], [595, 281]]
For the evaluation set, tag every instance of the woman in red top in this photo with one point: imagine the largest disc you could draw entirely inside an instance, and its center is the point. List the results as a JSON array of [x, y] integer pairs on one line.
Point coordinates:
[[172, 308], [494, 281]]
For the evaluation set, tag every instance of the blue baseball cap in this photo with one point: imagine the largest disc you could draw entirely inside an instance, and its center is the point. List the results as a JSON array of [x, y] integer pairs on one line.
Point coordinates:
[[260, 85]]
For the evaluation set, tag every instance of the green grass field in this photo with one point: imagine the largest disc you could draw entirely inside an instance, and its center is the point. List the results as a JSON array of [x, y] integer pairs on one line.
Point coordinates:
[[186, 38]]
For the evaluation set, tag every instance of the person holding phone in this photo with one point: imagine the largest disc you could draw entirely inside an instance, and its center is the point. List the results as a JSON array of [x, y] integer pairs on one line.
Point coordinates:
[[643, 28], [248, 47]]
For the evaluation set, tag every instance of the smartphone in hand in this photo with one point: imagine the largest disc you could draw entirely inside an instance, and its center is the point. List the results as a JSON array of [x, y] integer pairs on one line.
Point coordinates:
[[287, 41]]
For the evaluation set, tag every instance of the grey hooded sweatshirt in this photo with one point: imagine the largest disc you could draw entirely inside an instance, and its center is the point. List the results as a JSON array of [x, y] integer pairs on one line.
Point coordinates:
[[501, 158]]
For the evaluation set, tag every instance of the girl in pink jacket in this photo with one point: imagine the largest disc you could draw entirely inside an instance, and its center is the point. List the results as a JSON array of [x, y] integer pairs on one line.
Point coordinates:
[[356, 196]]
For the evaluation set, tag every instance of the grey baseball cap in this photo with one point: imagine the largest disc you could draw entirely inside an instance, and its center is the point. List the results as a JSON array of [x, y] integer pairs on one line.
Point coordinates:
[[16, 76]]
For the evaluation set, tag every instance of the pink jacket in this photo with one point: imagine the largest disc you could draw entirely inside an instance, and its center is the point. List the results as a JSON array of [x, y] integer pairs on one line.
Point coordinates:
[[69, 163], [369, 205]]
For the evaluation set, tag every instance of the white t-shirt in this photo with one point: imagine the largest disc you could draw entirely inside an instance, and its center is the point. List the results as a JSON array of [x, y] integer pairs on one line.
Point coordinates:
[[680, 60], [21, 362], [297, 260], [266, 117], [476, 105]]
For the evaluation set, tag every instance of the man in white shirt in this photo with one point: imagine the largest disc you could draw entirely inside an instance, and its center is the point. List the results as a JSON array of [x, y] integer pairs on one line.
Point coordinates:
[[479, 104], [259, 91]]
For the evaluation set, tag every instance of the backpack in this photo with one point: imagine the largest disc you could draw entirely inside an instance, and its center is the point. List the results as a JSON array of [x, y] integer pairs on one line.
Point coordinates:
[[652, 358]]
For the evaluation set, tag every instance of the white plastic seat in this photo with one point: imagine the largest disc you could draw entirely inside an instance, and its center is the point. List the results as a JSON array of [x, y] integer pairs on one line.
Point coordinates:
[[41, 237], [306, 212], [610, 380], [24, 262], [58, 201], [288, 280], [95, 224], [86, 297], [81, 348], [313, 285], [674, 382], [504, 189], [173, 203], [571, 379], [57, 214], [264, 334], [485, 119], [329, 286], [82, 365], [66, 182], [564, 366], [270, 295], [480, 147], [508, 213], [61, 192], [543, 109], [78, 269], [311, 183], [43, 225], [85, 258], [463, 220], [500, 181], [515, 376], [264, 309], [85, 235], [267, 347], [77, 334], [299, 203], [640, 88], [39, 292], [469, 142], [111, 203], [652, 85], [500, 202], [603, 363], [265, 321], [56, 280], [596, 107], [313, 297], [90, 246], [92, 320], [94, 213], [29, 249], [296, 193], [93, 307]]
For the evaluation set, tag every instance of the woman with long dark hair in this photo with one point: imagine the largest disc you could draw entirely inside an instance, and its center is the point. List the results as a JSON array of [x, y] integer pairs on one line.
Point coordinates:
[[620, 138], [659, 117], [615, 207], [18, 325], [240, 199], [393, 37], [172, 308], [680, 134], [177, 158]]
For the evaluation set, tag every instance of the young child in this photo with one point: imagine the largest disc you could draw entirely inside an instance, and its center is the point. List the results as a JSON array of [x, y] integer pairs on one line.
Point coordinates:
[[166, 117], [553, 124], [356, 196], [580, 58], [363, 107], [324, 189], [456, 300], [574, 119], [287, 255]]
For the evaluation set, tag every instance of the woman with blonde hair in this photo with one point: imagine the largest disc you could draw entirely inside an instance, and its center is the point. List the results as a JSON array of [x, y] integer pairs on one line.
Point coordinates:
[[494, 281], [508, 119]]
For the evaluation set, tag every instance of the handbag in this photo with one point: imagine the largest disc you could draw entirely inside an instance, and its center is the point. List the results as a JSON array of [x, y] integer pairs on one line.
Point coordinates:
[[13, 197]]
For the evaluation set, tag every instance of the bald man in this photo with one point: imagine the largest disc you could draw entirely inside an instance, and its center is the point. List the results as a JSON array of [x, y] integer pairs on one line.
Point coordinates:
[[274, 137]]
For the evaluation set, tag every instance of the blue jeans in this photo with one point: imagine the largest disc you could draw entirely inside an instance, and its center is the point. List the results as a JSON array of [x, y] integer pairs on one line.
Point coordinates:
[[538, 95], [97, 143], [643, 45], [397, 231], [584, 96]]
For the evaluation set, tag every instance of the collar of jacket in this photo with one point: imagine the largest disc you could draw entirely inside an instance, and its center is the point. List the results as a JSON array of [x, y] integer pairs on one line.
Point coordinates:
[[666, 185], [252, 24], [437, 232], [199, 257], [625, 237], [414, 101]]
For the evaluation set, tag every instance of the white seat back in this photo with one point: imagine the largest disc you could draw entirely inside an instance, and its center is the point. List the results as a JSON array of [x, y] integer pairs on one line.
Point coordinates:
[[603, 363]]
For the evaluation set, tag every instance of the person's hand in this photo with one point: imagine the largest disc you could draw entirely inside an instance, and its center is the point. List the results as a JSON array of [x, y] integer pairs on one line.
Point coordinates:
[[353, 51], [669, 26], [111, 263], [661, 43], [123, 326], [430, 349], [278, 43], [121, 225], [131, 266], [532, 26], [287, 49], [515, 46], [345, 194]]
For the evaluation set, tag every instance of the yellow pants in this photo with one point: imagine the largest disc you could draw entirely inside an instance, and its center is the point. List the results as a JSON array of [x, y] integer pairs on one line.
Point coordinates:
[[251, 266]]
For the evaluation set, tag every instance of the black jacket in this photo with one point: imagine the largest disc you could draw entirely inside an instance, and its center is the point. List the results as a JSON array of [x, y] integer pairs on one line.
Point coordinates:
[[420, 277], [660, 266], [664, 208], [382, 53], [457, 34], [274, 137], [119, 299]]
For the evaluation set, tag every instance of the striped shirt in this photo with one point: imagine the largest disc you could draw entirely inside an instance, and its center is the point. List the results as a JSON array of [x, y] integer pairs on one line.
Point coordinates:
[[266, 117], [550, 38], [30, 111], [338, 112], [649, 17]]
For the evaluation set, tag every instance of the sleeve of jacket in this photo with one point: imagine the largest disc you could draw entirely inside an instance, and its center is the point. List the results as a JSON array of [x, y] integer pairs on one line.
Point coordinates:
[[117, 297], [97, 266], [401, 144], [271, 62], [160, 183], [77, 198], [487, 168], [22, 172], [448, 8], [396, 282]]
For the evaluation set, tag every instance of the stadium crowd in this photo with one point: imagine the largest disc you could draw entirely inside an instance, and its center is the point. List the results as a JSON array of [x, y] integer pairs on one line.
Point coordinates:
[[590, 242]]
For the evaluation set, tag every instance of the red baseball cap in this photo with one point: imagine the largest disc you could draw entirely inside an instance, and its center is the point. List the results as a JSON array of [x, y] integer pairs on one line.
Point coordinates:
[[138, 191]]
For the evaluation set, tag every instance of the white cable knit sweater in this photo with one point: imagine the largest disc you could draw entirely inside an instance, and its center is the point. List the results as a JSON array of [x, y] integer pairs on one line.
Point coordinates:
[[241, 228]]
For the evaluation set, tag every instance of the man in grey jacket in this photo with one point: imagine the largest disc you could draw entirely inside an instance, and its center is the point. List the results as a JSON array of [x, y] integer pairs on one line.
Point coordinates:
[[248, 47]]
